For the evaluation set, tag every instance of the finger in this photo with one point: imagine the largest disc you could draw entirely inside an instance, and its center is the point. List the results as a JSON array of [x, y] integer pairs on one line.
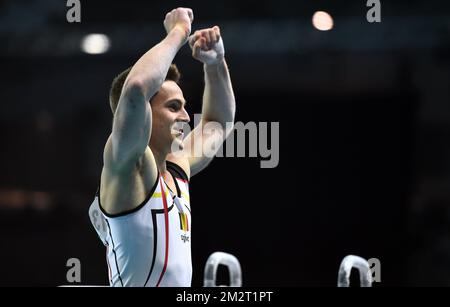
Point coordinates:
[[208, 37], [217, 31], [190, 14], [197, 48], [213, 36], [205, 46], [202, 43], [193, 38]]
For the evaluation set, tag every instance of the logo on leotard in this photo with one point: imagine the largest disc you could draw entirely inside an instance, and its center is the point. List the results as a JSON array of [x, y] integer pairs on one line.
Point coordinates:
[[185, 238]]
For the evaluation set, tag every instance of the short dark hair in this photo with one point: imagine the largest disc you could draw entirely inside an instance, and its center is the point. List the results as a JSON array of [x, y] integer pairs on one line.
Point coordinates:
[[116, 87]]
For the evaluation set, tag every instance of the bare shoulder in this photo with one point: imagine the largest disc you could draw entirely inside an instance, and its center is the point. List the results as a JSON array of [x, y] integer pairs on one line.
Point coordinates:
[[123, 188], [182, 162]]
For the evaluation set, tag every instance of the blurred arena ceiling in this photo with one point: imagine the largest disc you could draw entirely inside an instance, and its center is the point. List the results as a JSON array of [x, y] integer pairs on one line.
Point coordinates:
[[39, 28]]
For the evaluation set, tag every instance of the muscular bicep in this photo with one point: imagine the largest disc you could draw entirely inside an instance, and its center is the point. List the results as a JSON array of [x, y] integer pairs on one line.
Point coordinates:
[[131, 127]]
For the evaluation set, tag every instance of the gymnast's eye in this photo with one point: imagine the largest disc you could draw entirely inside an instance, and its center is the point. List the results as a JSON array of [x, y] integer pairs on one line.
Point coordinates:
[[175, 105]]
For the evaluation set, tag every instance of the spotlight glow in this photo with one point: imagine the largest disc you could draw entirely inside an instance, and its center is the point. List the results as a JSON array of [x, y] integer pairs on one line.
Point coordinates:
[[95, 43], [322, 21]]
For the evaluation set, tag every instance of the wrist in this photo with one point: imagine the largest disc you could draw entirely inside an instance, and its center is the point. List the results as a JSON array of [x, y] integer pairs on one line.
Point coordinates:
[[214, 65], [179, 33]]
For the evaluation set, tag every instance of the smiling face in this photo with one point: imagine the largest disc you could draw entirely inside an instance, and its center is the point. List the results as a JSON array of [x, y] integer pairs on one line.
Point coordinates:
[[168, 113]]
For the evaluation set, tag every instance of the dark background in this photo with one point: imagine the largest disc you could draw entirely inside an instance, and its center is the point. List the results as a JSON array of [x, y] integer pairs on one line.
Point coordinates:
[[364, 119]]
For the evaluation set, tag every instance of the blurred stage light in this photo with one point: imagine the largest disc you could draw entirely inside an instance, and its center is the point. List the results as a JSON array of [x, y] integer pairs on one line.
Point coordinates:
[[95, 43], [322, 21]]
